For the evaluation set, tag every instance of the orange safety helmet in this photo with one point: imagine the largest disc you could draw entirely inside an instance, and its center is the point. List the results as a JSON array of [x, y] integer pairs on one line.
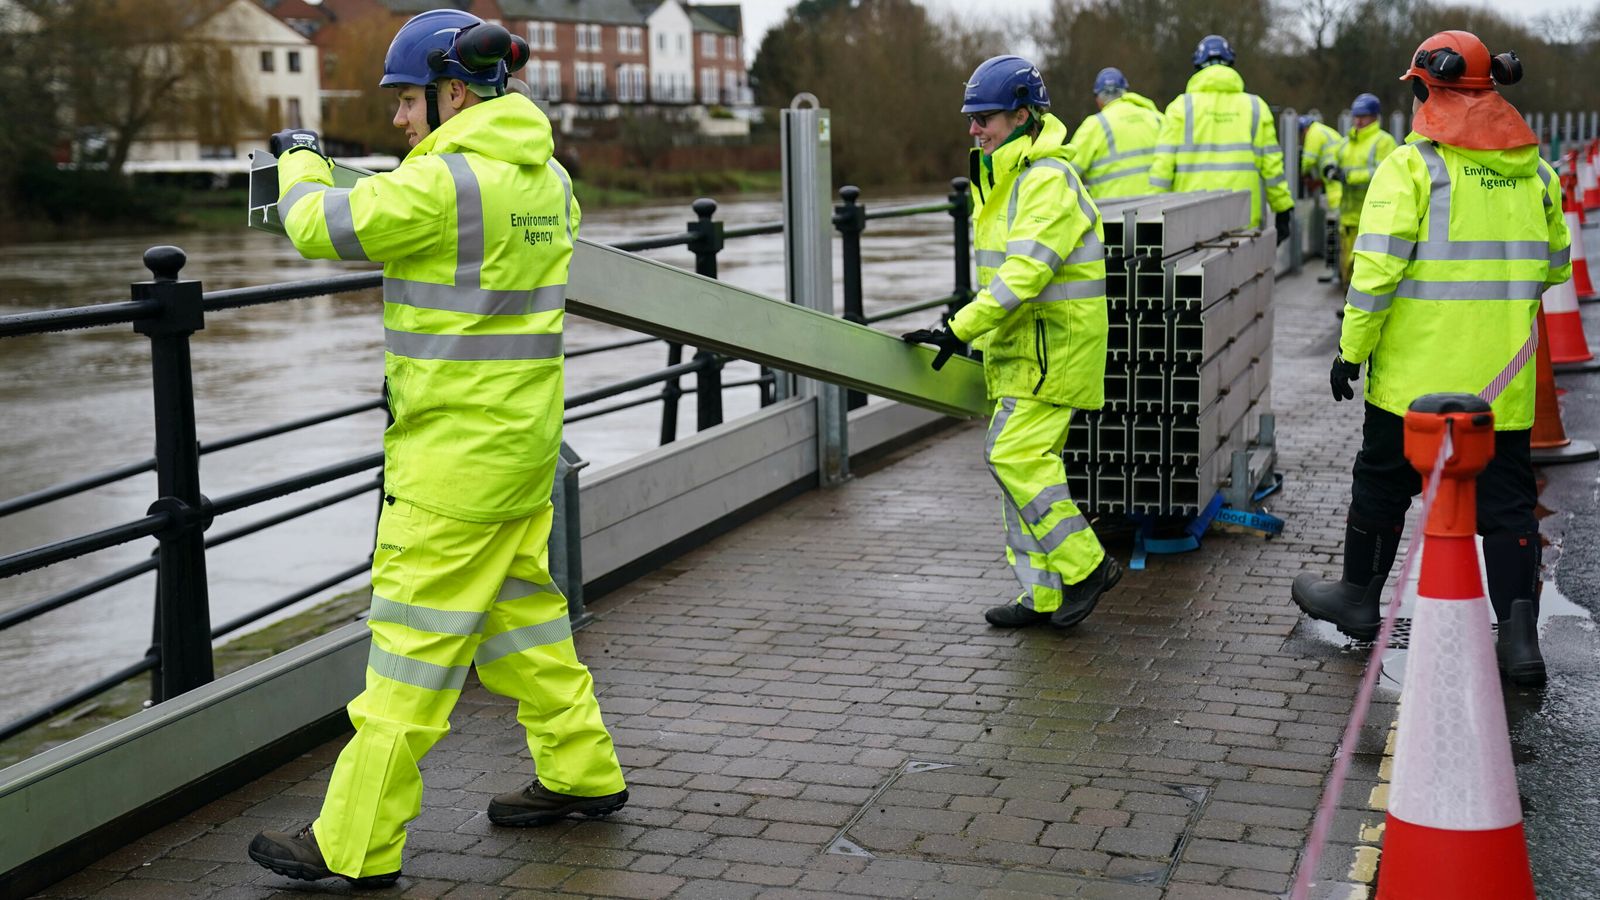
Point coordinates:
[[1457, 59], [1454, 76]]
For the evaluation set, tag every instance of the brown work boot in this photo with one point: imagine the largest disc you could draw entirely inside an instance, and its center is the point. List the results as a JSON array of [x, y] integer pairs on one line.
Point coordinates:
[[298, 856], [538, 805]]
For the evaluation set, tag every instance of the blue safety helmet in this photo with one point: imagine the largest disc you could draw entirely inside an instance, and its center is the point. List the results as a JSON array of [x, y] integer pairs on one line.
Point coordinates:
[[1365, 105], [1305, 122], [1004, 82], [1212, 49], [1110, 79], [424, 51]]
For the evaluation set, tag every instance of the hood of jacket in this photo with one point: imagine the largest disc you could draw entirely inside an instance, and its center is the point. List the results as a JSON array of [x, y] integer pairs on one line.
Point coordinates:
[[509, 128], [1217, 79], [1138, 100], [1518, 162]]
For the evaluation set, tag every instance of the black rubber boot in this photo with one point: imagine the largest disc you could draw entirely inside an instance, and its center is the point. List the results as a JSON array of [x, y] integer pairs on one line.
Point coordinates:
[[1014, 615], [298, 856], [537, 805], [1511, 562], [1078, 600], [1351, 603]]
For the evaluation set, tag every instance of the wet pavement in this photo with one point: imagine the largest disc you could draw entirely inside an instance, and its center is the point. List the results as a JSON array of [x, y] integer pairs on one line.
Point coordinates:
[[812, 706]]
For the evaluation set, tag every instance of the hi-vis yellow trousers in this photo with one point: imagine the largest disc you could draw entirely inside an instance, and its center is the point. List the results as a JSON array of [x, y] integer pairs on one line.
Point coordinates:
[[446, 595], [1049, 543]]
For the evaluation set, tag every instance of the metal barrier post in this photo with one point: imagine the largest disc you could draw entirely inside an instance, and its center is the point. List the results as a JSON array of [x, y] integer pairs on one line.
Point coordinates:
[[706, 244], [1289, 134], [566, 533], [961, 212], [850, 218], [183, 609], [808, 261]]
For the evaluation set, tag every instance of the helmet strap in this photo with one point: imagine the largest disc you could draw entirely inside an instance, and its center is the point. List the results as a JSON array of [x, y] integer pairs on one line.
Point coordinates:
[[1419, 89], [431, 91]]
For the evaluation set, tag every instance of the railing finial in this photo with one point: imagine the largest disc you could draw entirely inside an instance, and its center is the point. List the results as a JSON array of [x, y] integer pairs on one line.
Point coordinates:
[[165, 262]]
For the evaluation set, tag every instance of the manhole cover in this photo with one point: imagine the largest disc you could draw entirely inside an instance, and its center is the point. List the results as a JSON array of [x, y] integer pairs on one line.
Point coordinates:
[[1026, 817]]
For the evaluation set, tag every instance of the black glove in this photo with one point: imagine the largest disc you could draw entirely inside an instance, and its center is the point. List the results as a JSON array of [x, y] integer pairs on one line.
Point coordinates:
[[1331, 172], [1281, 221], [292, 139], [1340, 377], [942, 338]]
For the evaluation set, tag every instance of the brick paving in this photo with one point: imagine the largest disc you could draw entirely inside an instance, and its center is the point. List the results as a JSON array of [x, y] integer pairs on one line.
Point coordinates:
[[812, 706]]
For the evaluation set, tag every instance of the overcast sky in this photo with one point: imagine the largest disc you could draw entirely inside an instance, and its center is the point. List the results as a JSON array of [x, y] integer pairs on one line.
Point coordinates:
[[760, 15]]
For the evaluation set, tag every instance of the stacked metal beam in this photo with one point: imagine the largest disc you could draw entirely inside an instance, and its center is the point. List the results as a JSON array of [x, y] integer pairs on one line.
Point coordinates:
[[1189, 361]]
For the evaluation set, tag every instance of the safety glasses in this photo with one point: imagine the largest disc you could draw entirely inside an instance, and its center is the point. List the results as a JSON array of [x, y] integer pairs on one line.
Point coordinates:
[[981, 119]]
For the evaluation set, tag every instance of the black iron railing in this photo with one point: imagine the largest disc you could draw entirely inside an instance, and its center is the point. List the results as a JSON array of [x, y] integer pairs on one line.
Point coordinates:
[[168, 310]]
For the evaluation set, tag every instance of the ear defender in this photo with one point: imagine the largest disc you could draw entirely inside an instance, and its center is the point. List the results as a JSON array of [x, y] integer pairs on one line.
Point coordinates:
[[517, 56], [1506, 68], [1444, 63]]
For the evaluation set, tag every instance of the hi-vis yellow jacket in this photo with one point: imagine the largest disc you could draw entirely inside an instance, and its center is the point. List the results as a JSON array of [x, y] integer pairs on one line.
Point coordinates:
[[1316, 152], [475, 231], [1114, 148], [1455, 249], [1040, 317], [1218, 138], [1357, 155]]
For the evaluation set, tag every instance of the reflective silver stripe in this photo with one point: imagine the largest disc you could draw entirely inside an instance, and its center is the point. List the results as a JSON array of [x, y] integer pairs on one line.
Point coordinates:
[[1113, 176], [1368, 302], [1034, 250], [1235, 147], [1372, 158], [1071, 290], [293, 195], [479, 301], [1215, 167], [1031, 577], [1017, 537], [422, 618], [517, 588], [1277, 179], [426, 675], [469, 221], [566, 187], [1470, 290], [1514, 367], [471, 346], [989, 259], [1255, 124], [1008, 405], [1438, 193], [526, 638], [1188, 120], [1111, 139], [1453, 251], [1036, 509], [1166, 148], [1085, 205], [1387, 244], [1091, 250], [341, 224], [1160, 182], [1064, 529], [1545, 173], [1003, 294], [1561, 257]]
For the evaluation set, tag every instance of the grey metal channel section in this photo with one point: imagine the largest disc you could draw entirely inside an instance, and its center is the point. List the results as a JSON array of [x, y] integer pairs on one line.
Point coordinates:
[[619, 288], [263, 188], [628, 512]]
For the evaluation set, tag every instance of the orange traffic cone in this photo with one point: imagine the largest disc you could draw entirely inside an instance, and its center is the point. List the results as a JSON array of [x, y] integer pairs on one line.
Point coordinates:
[[1582, 284], [1569, 349], [1549, 440], [1588, 183], [1454, 825]]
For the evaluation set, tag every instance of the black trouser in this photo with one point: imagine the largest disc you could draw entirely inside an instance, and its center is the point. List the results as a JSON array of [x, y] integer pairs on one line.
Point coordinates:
[[1385, 481]]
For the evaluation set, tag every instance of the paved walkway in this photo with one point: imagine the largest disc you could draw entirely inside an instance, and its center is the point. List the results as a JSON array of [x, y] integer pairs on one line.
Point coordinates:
[[813, 707]]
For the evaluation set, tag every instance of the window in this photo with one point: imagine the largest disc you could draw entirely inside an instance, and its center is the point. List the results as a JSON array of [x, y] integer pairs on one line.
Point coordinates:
[[552, 80], [708, 85], [683, 44], [549, 30], [708, 46], [630, 40], [661, 42], [589, 38], [730, 47], [294, 113], [542, 35], [266, 61], [730, 87], [294, 66]]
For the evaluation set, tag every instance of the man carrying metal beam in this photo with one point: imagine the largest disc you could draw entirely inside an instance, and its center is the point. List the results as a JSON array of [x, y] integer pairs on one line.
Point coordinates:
[[1461, 233], [475, 230], [1040, 320]]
